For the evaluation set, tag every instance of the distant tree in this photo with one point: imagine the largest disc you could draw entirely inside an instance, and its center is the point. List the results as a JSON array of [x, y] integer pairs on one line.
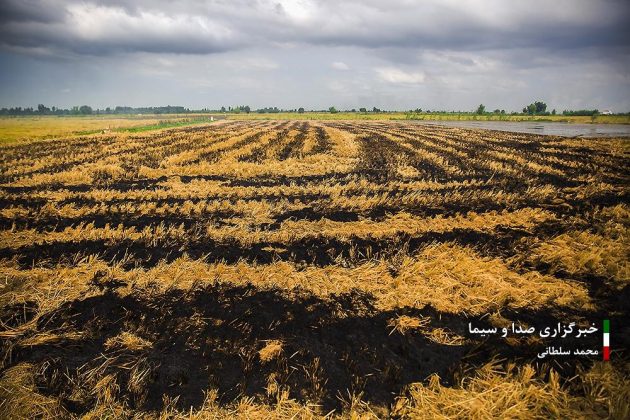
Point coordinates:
[[222, 109], [418, 110], [535, 108], [375, 109], [362, 110], [268, 110], [42, 109], [481, 109], [332, 110], [531, 109], [553, 111], [581, 112], [301, 110], [503, 111], [496, 111], [246, 108]]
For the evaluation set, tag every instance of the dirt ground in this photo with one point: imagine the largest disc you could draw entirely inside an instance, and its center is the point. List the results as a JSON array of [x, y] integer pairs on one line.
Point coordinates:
[[312, 269]]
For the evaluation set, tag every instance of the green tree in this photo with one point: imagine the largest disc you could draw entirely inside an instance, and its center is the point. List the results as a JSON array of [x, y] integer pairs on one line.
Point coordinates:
[[481, 109], [332, 110], [301, 110], [362, 110], [535, 108], [531, 109]]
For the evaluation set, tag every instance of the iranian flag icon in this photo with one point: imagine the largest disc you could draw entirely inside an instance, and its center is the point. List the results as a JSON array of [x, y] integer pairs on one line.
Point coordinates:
[[606, 339]]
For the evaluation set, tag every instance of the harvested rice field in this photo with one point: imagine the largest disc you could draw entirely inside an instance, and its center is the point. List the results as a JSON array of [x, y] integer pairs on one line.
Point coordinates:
[[308, 269]]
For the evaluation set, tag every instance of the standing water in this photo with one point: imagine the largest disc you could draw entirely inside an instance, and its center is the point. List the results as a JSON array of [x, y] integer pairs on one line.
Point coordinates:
[[548, 128]]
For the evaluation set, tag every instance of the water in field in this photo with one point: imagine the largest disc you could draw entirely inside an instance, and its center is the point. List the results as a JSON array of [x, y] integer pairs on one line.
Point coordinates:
[[548, 128]]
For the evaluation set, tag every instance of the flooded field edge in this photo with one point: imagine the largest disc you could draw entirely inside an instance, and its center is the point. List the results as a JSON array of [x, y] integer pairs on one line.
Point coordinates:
[[544, 128]]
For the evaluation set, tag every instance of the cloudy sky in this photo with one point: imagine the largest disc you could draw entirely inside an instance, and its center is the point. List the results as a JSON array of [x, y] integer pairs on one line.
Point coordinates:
[[394, 54]]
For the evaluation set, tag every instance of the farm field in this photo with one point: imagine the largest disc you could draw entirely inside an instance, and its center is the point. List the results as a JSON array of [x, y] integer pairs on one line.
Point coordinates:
[[25, 128], [18, 129], [298, 269], [432, 116]]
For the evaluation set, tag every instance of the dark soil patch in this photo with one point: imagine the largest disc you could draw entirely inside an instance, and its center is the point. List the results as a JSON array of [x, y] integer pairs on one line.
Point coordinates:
[[209, 338]]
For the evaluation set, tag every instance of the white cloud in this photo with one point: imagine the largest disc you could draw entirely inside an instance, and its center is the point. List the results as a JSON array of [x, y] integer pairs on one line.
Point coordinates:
[[192, 27], [252, 63], [452, 54], [340, 65], [398, 76], [298, 10]]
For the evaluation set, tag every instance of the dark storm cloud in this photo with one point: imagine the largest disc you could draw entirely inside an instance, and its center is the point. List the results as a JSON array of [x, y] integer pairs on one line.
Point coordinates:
[[96, 29], [476, 25], [30, 11], [395, 54], [193, 27]]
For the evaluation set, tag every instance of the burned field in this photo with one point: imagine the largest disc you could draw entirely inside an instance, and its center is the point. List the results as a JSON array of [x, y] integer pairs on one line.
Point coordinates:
[[290, 268]]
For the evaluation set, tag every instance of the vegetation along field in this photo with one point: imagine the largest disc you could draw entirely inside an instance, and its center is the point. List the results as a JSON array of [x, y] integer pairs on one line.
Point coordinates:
[[297, 269], [17, 129]]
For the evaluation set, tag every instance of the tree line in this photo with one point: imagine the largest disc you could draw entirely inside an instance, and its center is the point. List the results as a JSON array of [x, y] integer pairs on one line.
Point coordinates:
[[540, 108], [88, 110], [535, 108]]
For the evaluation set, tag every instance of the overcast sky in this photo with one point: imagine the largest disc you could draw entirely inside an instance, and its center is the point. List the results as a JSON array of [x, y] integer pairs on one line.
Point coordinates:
[[394, 54]]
